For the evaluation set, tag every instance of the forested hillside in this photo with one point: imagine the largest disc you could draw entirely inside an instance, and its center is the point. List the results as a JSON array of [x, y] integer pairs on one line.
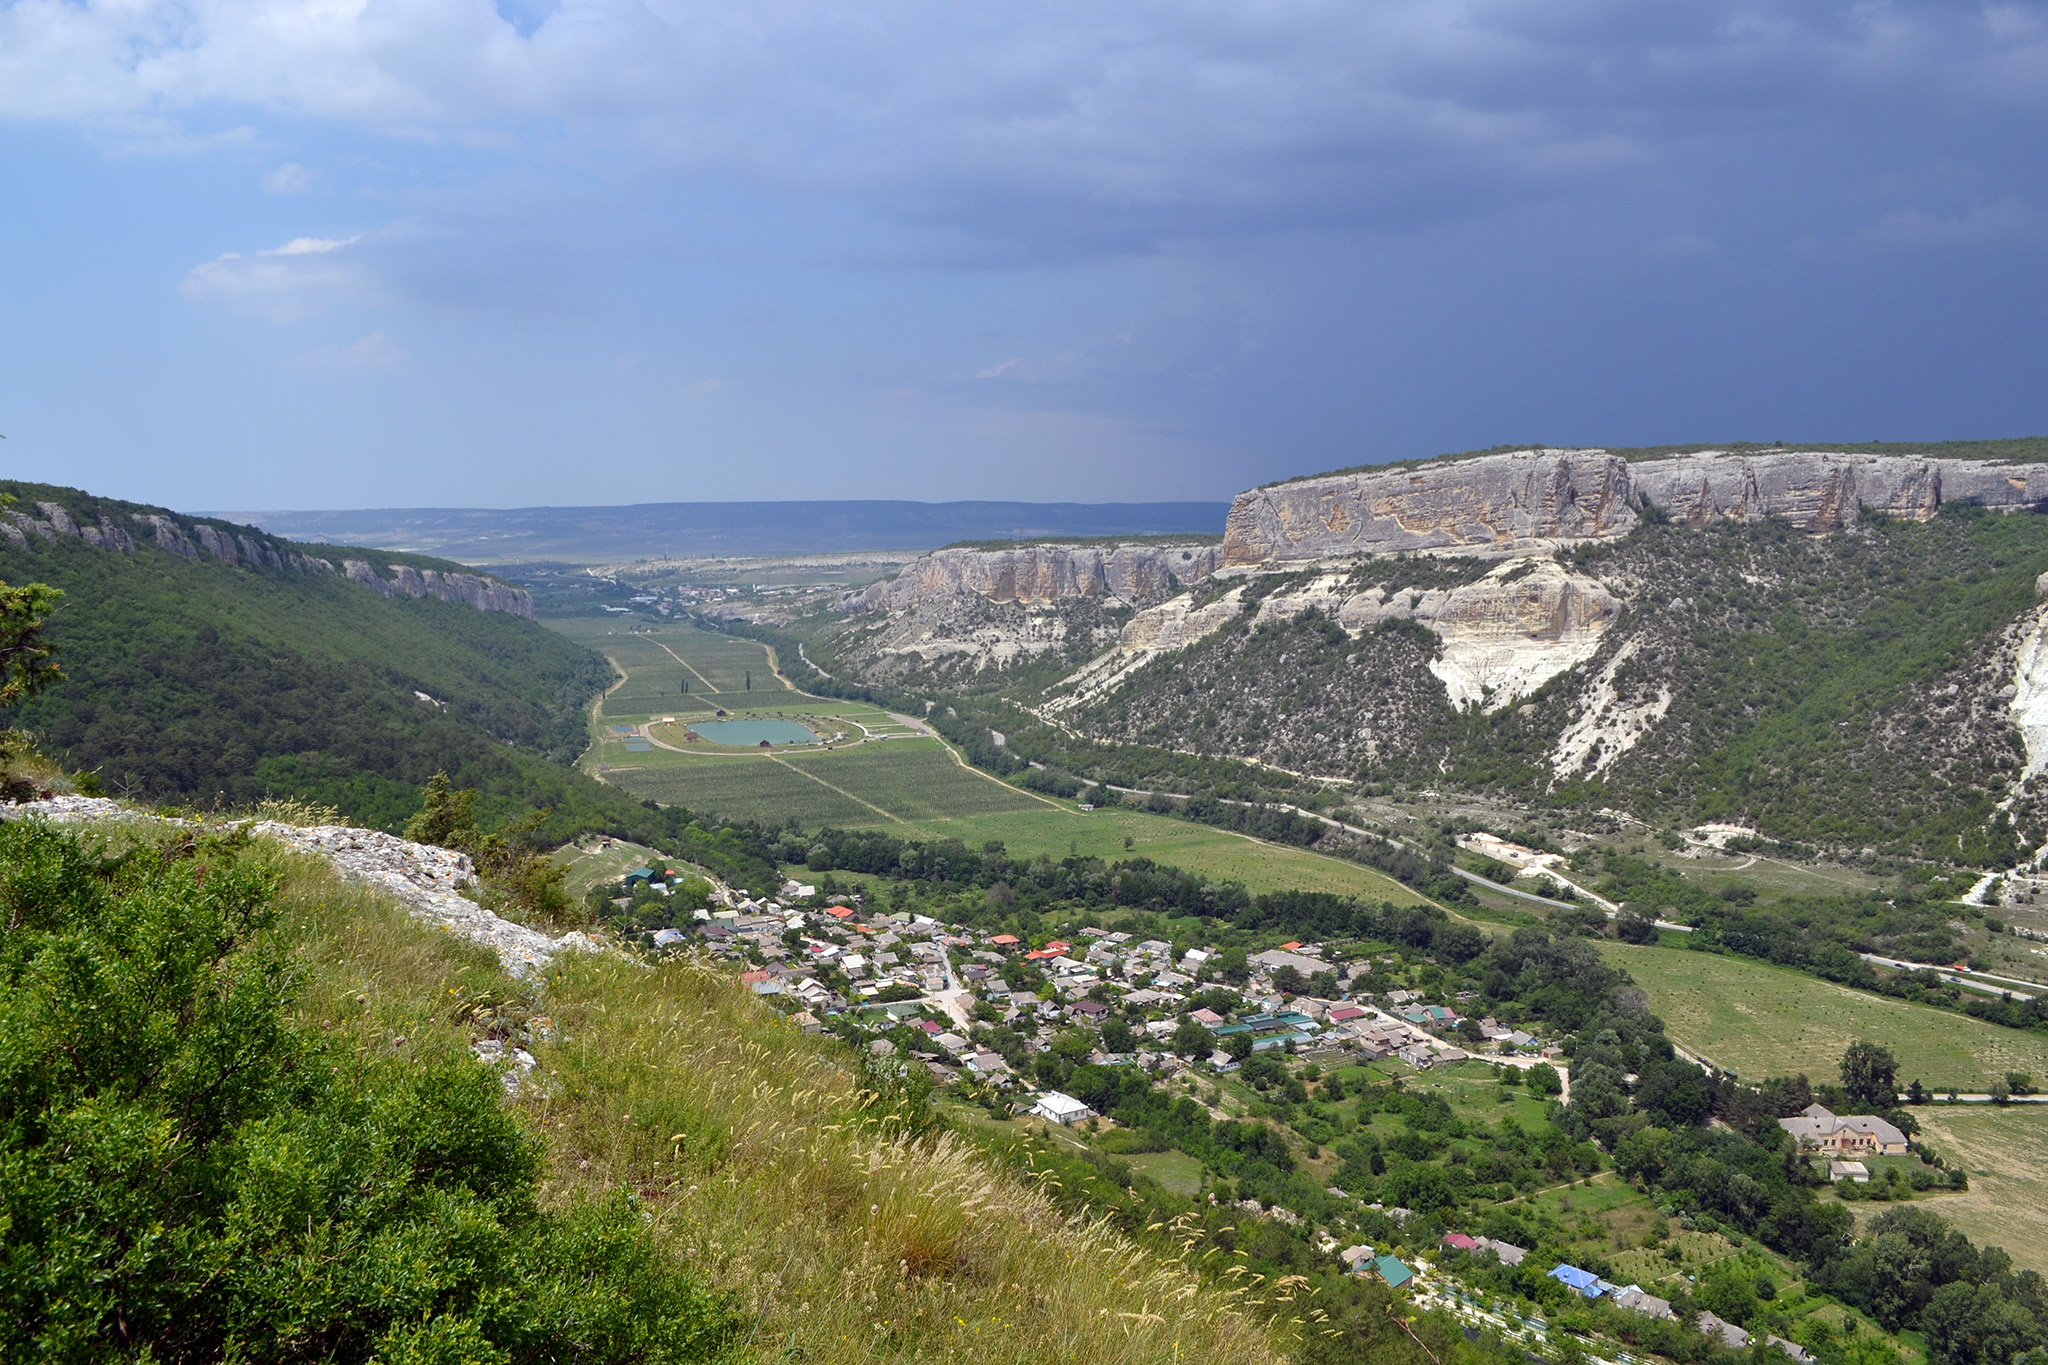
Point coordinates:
[[192, 679]]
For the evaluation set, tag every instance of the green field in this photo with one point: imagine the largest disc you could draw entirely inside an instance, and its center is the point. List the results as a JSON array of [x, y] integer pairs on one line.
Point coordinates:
[[910, 784], [2006, 1153], [658, 660], [1758, 1020]]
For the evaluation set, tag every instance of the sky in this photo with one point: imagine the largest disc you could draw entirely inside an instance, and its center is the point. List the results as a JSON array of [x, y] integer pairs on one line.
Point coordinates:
[[347, 253]]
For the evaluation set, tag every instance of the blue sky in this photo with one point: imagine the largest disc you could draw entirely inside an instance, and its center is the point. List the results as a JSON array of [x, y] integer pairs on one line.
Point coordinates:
[[332, 253]]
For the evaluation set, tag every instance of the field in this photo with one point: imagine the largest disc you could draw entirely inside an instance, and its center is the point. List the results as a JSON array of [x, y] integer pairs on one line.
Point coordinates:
[[1758, 1020], [909, 783], [2006, 1153]]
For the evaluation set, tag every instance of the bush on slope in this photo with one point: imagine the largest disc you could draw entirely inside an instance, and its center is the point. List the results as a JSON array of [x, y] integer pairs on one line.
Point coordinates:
[[188, 1173]]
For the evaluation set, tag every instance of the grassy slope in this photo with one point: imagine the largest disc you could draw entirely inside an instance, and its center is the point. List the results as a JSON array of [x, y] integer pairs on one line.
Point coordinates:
[[2006, 1153], [742, 1137], [1760, 1021]]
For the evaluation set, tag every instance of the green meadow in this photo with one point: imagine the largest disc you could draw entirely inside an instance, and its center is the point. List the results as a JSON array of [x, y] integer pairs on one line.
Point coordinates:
[[1758, 1020], [883, 773]]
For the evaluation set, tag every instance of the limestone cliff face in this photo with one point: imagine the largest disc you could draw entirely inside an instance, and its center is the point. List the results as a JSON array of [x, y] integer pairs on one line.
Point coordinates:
[[1503, 636], [485, 594], [1531, 500], [202, 540], [1038, 575]]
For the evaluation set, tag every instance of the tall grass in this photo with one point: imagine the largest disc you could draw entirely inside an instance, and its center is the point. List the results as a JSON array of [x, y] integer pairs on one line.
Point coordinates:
[[759, 1156]]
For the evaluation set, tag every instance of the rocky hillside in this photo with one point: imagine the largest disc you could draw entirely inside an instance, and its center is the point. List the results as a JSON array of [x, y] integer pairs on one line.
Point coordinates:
[[1765, 637], [959, 612], [50, 514]]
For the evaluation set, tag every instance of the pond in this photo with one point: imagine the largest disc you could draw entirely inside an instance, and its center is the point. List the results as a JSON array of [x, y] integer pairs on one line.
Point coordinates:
[[748, 734]]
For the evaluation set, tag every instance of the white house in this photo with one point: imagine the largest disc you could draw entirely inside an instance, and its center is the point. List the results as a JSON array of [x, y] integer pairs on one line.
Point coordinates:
[[1058, 1108]]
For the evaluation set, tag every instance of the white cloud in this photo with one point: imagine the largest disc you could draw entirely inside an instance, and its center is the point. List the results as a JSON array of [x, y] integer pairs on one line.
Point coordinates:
[[998, 371], [282, 282], [290, 178], [371, 352]]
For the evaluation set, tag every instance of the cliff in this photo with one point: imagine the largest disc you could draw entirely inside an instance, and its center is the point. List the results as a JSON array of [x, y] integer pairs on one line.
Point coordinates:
[[113, 526], [1040, 575], [1533, 500]]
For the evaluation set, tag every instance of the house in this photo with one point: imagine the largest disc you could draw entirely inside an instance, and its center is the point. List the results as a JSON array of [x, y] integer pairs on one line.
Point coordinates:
[[1356, 1259], [1790, 1348], [1731, 1337], [1208, 1017], [1507, 1253], [1835, 1135], [1057, 1108], [1458, 1241], [1092, 1010], [1854, 1171], [988, 1064], [1584, 1281], [1636, 1300], [1003, 942], [1274, 959], [1392, 1271]]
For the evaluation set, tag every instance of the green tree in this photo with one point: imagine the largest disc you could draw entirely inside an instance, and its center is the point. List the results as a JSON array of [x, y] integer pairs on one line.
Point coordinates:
[[1544, 1080], [26, 658], [1870, 1075], [1190, 1039]]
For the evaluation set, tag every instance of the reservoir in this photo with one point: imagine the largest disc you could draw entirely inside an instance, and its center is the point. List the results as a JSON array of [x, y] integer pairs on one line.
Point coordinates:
[[747, 734]]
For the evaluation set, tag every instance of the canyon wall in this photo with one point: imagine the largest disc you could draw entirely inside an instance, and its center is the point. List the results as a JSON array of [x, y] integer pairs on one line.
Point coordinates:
[[1040, 575], [1531, 500]]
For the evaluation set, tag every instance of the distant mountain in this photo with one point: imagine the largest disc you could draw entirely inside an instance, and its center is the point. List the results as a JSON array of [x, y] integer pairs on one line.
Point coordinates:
[[594, 535]]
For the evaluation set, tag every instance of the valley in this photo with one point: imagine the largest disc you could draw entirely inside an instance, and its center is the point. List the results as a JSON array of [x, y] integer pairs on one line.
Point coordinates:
[[1444, 858]]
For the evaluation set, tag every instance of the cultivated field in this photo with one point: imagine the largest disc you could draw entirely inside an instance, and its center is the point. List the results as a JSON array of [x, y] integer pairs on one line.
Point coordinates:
[[913, 786], [745, 788], [1059, 830], [1758, 1020], [2006, 1153], [659, 660]]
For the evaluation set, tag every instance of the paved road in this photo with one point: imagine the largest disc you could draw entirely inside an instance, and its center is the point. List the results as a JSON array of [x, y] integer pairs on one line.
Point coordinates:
[[1968, 980]]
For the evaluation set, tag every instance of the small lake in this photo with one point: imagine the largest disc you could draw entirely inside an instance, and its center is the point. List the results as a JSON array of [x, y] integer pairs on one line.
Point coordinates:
[[747, 734]]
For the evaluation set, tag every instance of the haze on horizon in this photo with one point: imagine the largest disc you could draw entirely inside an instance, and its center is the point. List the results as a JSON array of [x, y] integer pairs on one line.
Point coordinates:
[[274, 253]]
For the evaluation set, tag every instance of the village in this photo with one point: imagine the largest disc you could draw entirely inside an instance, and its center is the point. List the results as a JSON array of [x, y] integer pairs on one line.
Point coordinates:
[[973, 1012]]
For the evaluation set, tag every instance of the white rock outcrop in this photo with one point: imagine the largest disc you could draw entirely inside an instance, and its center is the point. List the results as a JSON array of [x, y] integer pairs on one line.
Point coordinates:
[[1607, 727], [1534, 500], [426, 880], [1503, 637]]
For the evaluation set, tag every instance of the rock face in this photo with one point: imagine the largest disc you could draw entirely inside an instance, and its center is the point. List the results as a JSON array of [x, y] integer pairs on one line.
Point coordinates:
[[1038, 575], [1531, 500], [201, 540], [485, 594], [1503, 636]]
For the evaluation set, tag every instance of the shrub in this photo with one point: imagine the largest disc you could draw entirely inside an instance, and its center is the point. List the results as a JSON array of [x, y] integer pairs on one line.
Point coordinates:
[[187, 1174]]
